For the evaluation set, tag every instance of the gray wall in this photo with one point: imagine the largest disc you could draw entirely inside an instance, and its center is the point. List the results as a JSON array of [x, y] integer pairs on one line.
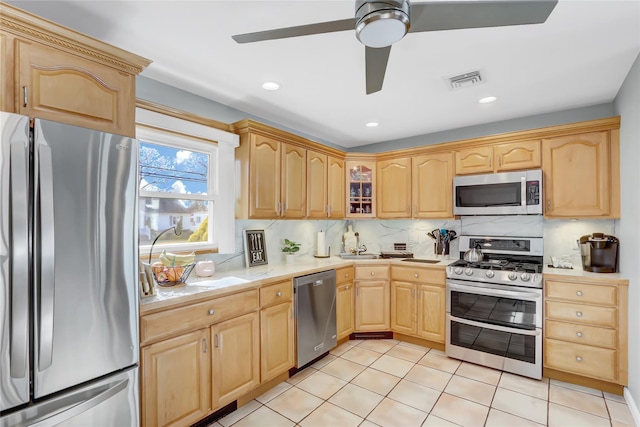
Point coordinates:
[[627, 105]]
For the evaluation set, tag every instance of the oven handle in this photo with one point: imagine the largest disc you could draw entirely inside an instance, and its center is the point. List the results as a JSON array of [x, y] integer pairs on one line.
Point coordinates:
[[535, 332], [486, 290]]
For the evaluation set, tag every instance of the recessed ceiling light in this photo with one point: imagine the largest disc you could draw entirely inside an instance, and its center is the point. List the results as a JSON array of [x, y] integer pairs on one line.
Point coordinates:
[[487, 99], [270, 86], [372, 124]]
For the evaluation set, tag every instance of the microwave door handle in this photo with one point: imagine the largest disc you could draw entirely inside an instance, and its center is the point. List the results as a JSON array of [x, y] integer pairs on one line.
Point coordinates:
[[535, 332], [47, 256], [19, 281], [523, 194], [482, 290]]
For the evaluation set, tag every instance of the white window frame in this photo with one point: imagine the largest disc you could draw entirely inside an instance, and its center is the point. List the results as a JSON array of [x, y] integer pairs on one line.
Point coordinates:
[[220, 165]]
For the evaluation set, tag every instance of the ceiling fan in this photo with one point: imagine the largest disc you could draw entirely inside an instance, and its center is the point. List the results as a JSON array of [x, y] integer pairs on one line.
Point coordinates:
[[380, 23]]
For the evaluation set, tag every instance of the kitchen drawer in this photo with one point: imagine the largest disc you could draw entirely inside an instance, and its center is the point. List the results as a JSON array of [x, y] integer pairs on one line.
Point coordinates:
[[579, 313], [582, 292], [373, 272], [423, 275], [275, 294], [580, 359], [166, 323], [581, 334], [344, 275]]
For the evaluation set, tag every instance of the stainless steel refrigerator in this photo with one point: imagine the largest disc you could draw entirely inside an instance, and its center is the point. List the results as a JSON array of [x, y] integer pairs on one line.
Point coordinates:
[[68, 276]]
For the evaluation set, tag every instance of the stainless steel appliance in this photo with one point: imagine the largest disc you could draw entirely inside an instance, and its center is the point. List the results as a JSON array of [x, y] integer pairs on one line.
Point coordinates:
[[315, 308], [68, 276], [494, 306], [505, 193]]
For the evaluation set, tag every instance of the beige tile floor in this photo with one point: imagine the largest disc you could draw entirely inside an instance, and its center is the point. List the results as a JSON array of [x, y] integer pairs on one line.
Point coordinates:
[[389, 383]]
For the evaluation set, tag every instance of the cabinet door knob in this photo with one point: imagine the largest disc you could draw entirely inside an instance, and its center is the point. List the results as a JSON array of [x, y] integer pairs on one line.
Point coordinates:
[[579, 359], [579, 334], [373, 273], [416, 275], [211, 312], [579, 293], [347, 287], [206, 345], [346, 274], [579, 313], [279, 294]]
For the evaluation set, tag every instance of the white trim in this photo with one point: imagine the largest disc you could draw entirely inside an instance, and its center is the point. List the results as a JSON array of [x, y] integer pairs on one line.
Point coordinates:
[[633, 407], [224, 207]]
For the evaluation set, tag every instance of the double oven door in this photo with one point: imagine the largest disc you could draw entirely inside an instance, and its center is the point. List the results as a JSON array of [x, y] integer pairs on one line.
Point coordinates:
[[495, 325]]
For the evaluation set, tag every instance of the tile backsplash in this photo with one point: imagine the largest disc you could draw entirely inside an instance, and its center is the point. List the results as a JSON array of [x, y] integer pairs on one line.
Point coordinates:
[[380, 235]]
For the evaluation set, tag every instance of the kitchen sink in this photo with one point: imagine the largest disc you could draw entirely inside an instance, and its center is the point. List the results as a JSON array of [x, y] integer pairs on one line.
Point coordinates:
[[426, 261], [360, 256]]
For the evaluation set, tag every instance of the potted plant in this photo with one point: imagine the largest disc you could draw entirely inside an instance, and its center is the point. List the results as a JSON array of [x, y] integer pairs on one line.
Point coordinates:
[[289, 249]]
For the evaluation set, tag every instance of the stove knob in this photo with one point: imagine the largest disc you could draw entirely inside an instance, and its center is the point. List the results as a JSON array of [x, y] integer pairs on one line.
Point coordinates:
[[457, 270], [512, 276], [490, 274], [468, 272], [525, 277]]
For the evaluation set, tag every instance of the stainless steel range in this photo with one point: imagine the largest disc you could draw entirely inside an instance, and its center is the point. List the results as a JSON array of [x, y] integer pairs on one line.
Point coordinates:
[[494, 306]]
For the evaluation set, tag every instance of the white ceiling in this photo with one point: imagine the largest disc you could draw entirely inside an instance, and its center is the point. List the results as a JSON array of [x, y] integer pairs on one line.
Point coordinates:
[[579, 57]]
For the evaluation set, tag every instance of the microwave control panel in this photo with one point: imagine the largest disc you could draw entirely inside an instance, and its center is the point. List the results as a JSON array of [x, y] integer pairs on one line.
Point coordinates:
[[533, 192]]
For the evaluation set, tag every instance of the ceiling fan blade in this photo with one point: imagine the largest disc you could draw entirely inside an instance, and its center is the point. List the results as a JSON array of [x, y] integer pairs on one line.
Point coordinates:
[[376, 65], [478, 14], [300, 30]]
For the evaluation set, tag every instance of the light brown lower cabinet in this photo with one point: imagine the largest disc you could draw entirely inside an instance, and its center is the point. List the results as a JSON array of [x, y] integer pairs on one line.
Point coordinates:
[[372, 306], [418, 302], [277, 350], [345, 302], [585, 331], [176, 380], [236, 358]]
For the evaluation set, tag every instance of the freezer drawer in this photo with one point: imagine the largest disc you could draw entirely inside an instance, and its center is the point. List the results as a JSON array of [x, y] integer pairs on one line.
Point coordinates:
[[315, 307], [112, 401]]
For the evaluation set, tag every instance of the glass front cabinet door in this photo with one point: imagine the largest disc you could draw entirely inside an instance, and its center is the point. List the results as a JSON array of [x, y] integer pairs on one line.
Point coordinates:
[[361, 195]]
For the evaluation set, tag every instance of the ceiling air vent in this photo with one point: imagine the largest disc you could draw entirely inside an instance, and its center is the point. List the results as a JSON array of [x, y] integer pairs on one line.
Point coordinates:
[[462, 81]]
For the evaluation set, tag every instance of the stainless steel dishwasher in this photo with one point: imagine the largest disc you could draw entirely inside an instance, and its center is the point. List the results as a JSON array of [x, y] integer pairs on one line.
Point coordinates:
[[315, 308]]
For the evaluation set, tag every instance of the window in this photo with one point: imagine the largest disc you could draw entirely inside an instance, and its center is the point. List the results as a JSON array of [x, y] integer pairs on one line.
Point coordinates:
[[176, 189], [181, 164]]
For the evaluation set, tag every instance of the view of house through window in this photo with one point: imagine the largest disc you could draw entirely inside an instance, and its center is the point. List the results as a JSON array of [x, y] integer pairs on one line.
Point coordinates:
[[175, 183]]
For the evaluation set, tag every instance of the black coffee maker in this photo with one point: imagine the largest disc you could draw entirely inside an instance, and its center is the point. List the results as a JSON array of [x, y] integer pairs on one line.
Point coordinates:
[[599, 253]]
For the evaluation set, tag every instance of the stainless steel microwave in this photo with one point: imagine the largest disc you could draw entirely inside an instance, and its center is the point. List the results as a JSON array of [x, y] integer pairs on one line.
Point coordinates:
[[505, 193]]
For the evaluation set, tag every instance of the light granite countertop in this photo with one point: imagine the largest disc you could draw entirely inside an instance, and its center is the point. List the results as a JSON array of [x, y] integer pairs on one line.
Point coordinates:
[[230, 281]]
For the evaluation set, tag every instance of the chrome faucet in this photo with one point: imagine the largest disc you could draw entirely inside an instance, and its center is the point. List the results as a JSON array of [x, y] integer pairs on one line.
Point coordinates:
[[359, 247]]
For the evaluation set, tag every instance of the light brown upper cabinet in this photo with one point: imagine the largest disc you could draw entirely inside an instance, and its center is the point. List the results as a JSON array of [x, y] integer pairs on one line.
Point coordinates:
[[54, 73], [272, 178], [361, 188], [499, 157], [432, 184], [325, 186], [418, 187], [394, 188], [582, 175]]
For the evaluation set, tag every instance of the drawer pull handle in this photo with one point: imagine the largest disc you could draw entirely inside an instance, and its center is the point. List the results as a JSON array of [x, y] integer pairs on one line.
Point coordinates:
[[25, 95], [579, 293], [579, 334], [416, 275], [579, 359], [579, 313], [373, 273], [211, 312], [279, 294]]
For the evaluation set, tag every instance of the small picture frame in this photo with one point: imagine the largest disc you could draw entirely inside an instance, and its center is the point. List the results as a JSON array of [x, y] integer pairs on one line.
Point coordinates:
[[255, 248]]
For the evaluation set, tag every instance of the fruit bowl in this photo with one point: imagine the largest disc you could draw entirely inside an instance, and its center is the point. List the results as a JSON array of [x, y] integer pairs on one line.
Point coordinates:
[[171, 276]]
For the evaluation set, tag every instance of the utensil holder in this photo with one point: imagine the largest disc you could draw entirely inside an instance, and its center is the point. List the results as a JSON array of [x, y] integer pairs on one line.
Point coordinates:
[[438, 246]]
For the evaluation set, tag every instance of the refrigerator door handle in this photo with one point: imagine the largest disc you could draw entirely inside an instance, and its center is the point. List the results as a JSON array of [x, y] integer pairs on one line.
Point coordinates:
[[47, 256], [19, 330], [84, 406]]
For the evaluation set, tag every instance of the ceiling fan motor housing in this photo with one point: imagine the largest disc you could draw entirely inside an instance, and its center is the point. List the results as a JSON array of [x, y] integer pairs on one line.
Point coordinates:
[[381, 23]]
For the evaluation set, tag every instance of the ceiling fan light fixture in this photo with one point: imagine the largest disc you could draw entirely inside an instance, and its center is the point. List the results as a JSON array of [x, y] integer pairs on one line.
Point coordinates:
[[381, 24]]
